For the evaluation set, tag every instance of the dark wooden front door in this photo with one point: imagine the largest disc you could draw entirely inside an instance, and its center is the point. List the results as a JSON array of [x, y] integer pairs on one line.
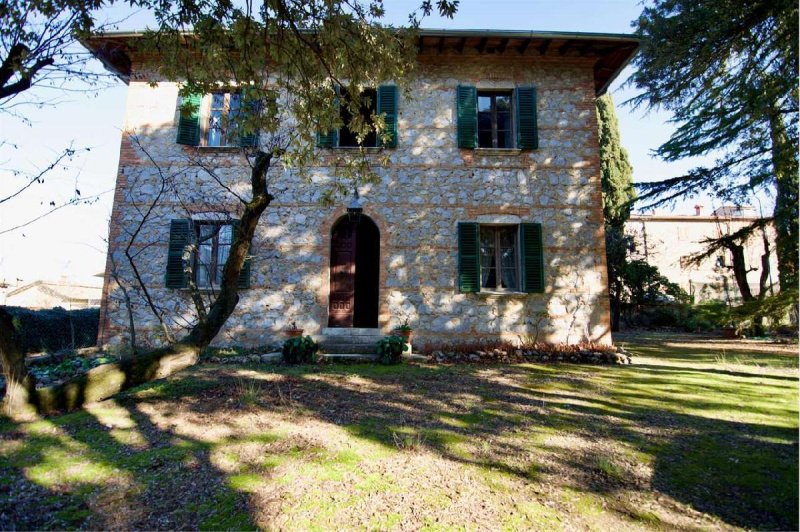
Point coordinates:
[[343, 275]]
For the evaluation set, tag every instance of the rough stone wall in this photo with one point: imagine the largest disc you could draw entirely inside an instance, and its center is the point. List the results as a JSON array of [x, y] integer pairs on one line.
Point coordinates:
[[428, 186]]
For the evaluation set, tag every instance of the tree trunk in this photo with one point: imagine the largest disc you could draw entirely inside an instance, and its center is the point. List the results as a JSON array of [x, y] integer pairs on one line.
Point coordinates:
[[218, 313], [104, 381], [19, 383], [740, 270], [786, 198]]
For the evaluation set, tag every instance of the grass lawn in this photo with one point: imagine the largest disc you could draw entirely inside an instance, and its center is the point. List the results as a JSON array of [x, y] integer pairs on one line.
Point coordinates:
[[695, 434]]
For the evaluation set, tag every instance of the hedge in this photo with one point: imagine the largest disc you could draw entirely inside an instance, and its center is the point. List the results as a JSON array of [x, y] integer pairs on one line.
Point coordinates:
[[56, 328]]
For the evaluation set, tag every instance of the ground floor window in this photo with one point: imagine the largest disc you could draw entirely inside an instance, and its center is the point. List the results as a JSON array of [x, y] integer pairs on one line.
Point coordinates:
[[213, 246], [498, 250], [500, 257]]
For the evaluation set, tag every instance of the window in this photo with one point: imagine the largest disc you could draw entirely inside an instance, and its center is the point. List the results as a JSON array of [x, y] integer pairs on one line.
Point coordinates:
[[212, 240], [213, 246], [381, 101], [220, 127], [494, 119], [212, 121], [504, 258], [369, 108], [499, 258]]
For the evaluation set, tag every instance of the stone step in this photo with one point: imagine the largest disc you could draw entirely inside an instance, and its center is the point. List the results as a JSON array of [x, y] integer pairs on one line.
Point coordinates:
[[349, 332], [349, 348], [360, 340], [348, 357]]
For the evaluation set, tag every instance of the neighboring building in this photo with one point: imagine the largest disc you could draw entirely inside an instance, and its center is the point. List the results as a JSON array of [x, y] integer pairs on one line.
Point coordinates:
[[489, 211], [667, 241], [48, 294]]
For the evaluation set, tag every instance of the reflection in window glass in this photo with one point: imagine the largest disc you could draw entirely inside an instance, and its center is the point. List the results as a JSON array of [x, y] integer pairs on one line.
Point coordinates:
[[495, 126], [214, 241], [498, 257]]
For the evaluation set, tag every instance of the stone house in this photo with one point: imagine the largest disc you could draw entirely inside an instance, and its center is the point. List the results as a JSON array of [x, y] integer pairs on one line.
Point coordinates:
[[487, 221], [667, 241]]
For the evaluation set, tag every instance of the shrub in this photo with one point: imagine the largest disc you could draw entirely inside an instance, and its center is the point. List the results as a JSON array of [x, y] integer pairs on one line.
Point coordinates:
[[390, 349], [300, 350], [56, 328]]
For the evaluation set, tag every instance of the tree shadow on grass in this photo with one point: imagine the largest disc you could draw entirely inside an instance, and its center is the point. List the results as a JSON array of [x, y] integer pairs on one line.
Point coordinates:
[[140, 473]]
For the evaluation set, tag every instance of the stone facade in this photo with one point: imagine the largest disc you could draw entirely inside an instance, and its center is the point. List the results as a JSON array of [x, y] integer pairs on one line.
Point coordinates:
[[428, 187]]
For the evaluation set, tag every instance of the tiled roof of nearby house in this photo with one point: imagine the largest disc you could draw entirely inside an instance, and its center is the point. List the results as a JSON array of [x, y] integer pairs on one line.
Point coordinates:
[[611, 51]]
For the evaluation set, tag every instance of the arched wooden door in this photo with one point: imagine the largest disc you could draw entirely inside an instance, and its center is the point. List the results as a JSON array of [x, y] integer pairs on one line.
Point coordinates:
[[355, 258]]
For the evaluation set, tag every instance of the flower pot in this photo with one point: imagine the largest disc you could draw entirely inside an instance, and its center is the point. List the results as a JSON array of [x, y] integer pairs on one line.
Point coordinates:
[[405, 335], [293, 333]]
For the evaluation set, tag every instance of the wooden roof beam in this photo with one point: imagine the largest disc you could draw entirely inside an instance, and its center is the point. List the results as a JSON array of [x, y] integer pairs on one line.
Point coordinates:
[[503, 45], [544, 46], [441, 45], [461, 44], [523, 47], [482, 45]]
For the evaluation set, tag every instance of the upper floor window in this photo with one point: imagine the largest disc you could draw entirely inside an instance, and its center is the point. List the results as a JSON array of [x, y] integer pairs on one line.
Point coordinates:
[[374, 102], [495, 126], [497, 119], [367, 110], [221, 124], [213, 121]]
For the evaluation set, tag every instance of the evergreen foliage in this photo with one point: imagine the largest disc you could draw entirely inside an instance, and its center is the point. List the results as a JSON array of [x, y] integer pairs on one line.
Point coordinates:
[[727, 70], [616, 180], [616, 172]]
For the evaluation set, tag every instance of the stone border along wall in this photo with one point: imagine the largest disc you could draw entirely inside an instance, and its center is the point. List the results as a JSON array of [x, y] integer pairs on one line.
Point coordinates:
[[429, 186]]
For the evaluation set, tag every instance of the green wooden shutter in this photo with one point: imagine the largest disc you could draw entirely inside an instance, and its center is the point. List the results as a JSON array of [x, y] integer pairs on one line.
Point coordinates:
[[179, 238], [244, 275], [189, 121], [467, 116], [329, 139], [532, 257], [527, 127], [387, 105], [469, 270]]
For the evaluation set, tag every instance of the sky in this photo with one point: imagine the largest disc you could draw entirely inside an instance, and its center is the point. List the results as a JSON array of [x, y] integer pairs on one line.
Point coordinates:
[[70, 243]]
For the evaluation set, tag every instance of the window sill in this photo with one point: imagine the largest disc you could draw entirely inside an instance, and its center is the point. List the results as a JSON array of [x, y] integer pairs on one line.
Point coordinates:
[[497, 151], [365, 149], [219, 149], [495, 293]]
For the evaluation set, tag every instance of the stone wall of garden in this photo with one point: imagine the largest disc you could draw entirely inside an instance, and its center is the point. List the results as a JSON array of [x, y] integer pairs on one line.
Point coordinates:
[[428, 186]]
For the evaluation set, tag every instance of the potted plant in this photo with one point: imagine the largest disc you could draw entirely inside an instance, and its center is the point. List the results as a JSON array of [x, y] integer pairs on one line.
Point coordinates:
[[300, 350], [293, 331], [390, 349], [404, 330]]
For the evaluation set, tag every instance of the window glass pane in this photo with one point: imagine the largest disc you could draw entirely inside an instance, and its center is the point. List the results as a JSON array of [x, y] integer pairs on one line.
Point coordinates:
[[234, 103], [484, 139], [203, 264], [485, 121], [484, 103], [222, 257], [225, 234], [503, 102], [207, 231], [503, 121], [215, 128], [509, 278], [504, 139]]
